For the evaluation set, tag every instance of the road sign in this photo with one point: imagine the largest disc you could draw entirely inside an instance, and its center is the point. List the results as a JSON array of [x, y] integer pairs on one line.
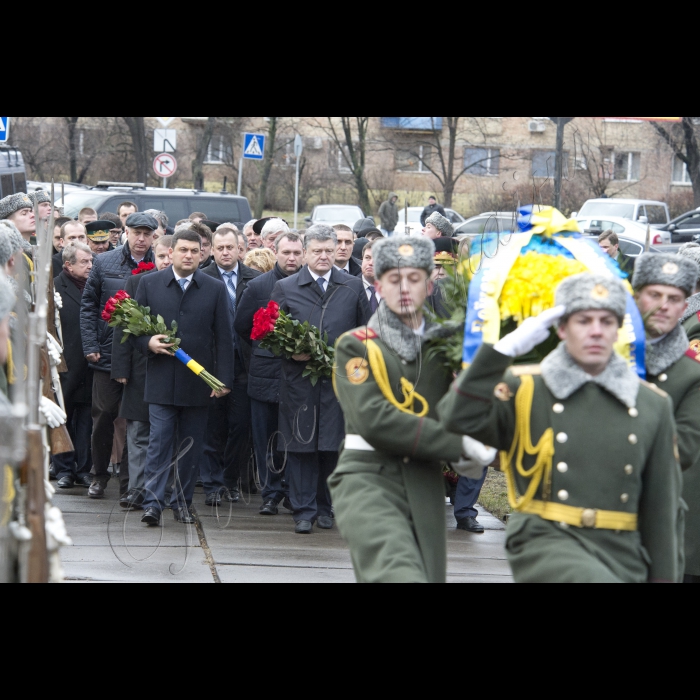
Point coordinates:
[[165, 140], [254, 146], [166, 121], [4, 129], [165, 165], [298, 146]]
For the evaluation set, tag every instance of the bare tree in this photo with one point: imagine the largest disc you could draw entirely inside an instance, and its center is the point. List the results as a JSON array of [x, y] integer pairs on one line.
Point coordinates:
[[201, 154], [683, 140], [137, 129], [266, 167]]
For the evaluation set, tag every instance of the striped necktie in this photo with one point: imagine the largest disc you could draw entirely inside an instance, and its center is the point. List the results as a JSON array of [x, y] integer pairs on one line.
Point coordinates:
[[231, 289], [183, 285]]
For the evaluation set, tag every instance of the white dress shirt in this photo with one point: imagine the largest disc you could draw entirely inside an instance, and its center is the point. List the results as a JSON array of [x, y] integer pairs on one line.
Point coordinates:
[[187, 283], [326, 277]]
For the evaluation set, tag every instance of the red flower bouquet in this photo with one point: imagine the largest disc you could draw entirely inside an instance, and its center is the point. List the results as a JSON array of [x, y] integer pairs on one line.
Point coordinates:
[[121, 311], [143, 267], [283, 336]]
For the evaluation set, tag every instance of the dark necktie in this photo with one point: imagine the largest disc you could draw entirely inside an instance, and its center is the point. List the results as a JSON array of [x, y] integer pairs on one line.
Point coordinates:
[[183, 285], [231, 289], [373, 301], [322, 284]]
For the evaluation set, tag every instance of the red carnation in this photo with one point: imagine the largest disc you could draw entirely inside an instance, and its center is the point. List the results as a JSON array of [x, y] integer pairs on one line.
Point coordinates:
[[143, 267]]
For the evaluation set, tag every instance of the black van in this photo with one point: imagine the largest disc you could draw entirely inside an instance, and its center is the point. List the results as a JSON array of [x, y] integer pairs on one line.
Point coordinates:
[[177, 204], [13, 177]]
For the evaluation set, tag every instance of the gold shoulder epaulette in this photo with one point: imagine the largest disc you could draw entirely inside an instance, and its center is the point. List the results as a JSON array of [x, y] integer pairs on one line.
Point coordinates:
[[363, 334], [654, 388], [526, 370]]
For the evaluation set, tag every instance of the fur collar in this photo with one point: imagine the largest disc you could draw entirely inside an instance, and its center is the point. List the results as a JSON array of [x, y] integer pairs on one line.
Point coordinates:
[[564, 377], [693, 308], [400, 338], [665, 353]]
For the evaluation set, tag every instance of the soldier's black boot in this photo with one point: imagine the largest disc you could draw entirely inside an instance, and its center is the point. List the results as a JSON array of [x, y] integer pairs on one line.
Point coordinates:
[[97, 490]]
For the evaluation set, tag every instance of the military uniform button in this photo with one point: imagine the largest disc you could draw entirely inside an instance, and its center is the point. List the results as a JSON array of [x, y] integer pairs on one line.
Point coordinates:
[[625, 498], [634, 413], [406, 460], [562, 467], [562, 438], [564, 526], [558, 408], [404, 362], [663, 378], [563, 495], [629, 470], [589, 518], [633, 439]]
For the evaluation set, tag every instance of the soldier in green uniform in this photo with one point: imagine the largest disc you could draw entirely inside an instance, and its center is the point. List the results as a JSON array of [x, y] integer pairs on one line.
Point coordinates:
[[661, 284], [388, 489], [691, 317], [588, 449]]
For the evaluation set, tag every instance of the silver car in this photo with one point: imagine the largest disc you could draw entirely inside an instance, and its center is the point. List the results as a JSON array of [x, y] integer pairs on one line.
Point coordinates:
[[334, 215]]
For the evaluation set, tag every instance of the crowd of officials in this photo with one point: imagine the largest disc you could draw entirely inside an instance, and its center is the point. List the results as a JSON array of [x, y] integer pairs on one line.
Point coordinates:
[[137, 415]]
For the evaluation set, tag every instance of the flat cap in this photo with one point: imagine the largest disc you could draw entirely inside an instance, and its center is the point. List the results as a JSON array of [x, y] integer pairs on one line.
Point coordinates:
[[7, 297], [14, 203], [99, 231], [589, 292], [441, 223], [39, 197], [666, 269], [398, 252], [140, 220]]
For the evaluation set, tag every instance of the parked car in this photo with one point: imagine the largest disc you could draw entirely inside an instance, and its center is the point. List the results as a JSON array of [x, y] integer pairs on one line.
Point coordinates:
[[645, 211], [177, 204], [32, 186], [13, 176], [623, 227], [490, 222], [685, 228], [334, 215], [414, 224]]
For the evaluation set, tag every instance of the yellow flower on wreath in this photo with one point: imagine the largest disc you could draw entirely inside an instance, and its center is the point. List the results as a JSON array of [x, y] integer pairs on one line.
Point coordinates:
[[532, 284]]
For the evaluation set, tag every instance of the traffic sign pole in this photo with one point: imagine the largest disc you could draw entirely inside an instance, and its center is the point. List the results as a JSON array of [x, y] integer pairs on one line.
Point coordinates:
[[298, 150], [240, 175]]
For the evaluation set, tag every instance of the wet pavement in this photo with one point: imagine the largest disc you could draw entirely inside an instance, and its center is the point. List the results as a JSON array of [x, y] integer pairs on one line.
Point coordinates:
[[237, 545]]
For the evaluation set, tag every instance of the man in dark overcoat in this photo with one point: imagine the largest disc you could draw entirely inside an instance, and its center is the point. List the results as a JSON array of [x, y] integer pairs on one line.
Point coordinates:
[[264, 373], [311, 423], [73, 468], [178, 399]]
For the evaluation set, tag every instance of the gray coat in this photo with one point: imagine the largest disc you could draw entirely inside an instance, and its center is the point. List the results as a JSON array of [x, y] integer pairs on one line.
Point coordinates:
[[311, 419]]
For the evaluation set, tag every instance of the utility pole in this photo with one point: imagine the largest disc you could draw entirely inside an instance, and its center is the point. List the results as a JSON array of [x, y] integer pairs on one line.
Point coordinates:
[[561, 123]]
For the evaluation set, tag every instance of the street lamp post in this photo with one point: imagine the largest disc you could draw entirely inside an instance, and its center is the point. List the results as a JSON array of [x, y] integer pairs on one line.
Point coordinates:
[[561, 123]]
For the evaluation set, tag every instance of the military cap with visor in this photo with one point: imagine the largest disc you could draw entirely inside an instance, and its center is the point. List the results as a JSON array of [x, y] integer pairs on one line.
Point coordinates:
[[588, 292], [401, 252], [99, 231], [14, 203], [665, 269]]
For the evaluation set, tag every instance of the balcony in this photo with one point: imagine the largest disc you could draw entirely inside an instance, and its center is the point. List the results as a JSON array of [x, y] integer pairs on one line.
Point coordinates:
[[412, 123]]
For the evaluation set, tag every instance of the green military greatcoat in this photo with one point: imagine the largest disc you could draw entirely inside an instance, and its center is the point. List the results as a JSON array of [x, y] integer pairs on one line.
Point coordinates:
[[613, 459], [389, 494], [676, 370]]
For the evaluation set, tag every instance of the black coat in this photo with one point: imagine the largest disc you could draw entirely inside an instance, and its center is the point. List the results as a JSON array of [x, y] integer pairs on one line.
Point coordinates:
[[245, 276], [109, 275], [430, 210], [355, 268], [129, 363], [204, 326], [57, 262], [77, 382], [311, 418], [265, 368]]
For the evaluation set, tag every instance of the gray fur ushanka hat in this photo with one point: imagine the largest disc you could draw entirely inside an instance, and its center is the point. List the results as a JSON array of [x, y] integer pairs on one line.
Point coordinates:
[[14, 203], [665, 269], [39, 197], [7, 297], [441, 224], [587, 292], [398, 252]]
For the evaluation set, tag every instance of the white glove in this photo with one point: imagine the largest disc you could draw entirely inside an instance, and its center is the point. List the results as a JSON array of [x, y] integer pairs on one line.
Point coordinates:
[[52, 413], [58, 300], [475, 458], [530, 334], [54, 349]]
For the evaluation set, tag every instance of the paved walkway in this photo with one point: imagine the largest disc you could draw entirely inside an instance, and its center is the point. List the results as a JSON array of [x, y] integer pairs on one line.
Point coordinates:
[[238, 546]]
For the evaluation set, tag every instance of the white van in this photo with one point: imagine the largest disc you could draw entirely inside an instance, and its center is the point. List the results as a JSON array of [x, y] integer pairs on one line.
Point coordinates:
[[641, 210]]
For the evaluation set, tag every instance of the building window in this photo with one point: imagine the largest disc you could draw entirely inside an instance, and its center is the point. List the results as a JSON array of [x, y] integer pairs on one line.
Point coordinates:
[[544, 164], [628, 166], [681, 176], [415, 160], [219, 151], [413, 123], [483, 162]]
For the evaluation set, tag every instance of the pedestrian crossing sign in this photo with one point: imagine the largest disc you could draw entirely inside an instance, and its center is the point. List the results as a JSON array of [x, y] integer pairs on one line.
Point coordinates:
[[254, 146], [4, 129]]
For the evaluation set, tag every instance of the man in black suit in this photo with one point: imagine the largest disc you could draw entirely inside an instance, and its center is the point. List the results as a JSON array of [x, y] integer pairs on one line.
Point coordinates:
[[311, 424], [344, 260], [264, 373], [228, 445], [178, 399], [73, 468]]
